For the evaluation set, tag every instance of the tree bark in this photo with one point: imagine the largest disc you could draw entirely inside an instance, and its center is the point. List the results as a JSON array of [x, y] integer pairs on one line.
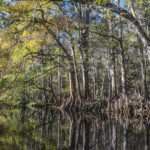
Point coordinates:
[[142, 62], [125, 14], [44, 98], [123, 70], [76, 74], [72, 78], [84, 48], [143, 72], [112, 63], [59, 81], [73, 90]]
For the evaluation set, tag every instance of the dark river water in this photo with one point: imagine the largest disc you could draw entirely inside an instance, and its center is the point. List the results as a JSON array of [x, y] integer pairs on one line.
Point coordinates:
[[35, 129]]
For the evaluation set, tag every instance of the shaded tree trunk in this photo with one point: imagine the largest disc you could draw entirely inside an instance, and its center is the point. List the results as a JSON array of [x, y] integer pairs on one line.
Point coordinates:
[[72, 73], [76, 75], [112, 74], [84, 48], [44, 98], [59, 81], [73, 90], [112, 64], [123, 70], [143, 72]]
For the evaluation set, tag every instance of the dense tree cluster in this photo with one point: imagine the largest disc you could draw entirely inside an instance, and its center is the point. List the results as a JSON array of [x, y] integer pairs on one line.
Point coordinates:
[[70, 52]]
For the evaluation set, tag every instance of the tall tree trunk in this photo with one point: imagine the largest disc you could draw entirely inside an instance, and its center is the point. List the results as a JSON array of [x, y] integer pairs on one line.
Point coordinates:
[[44, 98], [73, 90], [109, 85], [72, 73], [102, 86], [59, 81], [123, 71], [84, 48], [113, 74], [76, 74], [112, 64], [143, 72], [94, 78]]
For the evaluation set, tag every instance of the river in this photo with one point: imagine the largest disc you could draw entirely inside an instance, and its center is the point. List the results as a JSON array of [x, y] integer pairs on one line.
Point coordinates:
[[37, 129]]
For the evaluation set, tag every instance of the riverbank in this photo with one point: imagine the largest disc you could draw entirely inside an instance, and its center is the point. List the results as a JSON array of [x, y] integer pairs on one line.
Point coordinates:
[[140, 110]]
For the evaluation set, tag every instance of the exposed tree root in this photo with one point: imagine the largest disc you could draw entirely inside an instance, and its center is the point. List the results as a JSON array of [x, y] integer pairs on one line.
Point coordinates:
[[69, 103], [134, 108]]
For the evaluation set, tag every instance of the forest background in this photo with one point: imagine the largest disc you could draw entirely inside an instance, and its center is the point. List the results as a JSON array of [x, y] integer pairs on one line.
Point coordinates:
[[70, 52]]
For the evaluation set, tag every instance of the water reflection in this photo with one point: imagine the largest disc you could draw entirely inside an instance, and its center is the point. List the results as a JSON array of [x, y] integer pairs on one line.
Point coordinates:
[[28, 129], [147, 136]]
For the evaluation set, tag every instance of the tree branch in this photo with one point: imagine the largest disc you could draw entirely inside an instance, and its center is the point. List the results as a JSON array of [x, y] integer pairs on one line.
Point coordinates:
[[125, 14]]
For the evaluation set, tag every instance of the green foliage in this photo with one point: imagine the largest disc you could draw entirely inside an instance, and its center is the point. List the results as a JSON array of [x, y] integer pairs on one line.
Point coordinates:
[[100, 2]]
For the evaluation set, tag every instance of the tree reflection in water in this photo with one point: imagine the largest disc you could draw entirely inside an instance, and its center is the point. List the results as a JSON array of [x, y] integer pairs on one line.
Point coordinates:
[[26, 129], [146, 136]]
